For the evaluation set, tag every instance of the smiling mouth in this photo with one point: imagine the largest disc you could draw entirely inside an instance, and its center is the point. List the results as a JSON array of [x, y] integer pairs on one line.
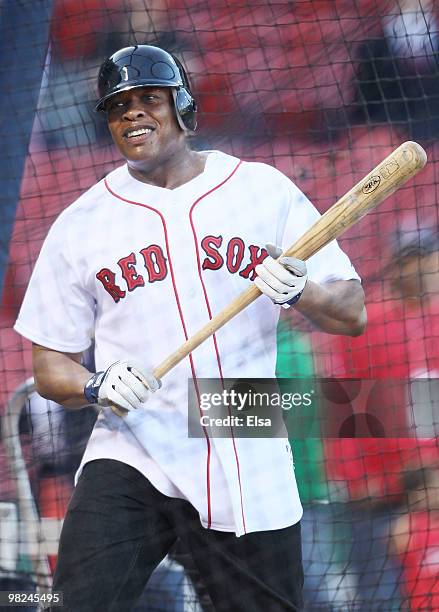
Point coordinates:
[[138, 133]]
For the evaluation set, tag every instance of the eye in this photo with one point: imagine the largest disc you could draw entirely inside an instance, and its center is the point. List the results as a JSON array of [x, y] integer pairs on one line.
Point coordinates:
[[149, 97], [114, 105]]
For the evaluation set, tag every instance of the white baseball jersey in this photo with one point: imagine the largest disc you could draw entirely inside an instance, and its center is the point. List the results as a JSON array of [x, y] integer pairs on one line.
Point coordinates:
[[140, 269]]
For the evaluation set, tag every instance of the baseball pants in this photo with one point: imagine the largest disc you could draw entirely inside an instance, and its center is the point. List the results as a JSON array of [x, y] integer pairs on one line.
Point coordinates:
[[118, 528]]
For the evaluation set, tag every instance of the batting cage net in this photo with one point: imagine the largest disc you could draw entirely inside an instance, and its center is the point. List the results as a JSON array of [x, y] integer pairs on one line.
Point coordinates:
[[323, 91]]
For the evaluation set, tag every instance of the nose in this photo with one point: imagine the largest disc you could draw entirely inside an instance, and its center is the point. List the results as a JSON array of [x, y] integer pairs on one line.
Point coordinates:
[[134, 111], [134, 108]]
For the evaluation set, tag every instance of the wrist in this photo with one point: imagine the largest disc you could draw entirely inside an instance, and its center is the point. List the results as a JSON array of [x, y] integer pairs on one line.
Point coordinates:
[[313, 295], [295, 299], [92, 386]]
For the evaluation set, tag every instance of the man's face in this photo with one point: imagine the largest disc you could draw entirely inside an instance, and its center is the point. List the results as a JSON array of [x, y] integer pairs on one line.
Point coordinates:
[[143, 125], [418, 275]]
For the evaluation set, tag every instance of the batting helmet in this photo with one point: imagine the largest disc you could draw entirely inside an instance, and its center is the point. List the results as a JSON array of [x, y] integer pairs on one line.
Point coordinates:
[[145, 65]]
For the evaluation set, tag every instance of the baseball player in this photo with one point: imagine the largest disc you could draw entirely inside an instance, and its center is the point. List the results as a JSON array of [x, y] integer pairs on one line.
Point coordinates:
[[138, 264]]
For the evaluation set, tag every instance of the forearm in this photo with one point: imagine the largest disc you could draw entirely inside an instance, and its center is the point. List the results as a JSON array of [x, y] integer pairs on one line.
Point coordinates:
[[59, 377], [335, 308]]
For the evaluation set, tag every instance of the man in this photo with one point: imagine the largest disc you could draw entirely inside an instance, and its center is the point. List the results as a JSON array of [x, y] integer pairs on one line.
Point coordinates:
[[139, 263]]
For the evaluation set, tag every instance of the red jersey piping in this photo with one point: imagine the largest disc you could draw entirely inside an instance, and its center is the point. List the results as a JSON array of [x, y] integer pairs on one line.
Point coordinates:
[[177, 299], [209, 310]]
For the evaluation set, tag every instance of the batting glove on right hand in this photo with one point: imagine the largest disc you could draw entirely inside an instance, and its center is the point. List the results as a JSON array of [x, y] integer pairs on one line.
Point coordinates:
[[123, 387], [283, 280]]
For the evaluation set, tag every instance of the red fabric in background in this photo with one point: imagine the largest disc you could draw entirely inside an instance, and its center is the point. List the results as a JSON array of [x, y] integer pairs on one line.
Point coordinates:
[[397, 343], [75, 24], [51, 182], [421, 562]]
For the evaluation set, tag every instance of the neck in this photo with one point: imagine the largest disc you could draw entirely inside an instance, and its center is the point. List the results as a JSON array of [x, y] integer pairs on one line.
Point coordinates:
[[171, 172]]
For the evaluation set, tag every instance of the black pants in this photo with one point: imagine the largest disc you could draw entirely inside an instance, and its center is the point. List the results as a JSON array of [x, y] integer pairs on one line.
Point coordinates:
[[118, 528]]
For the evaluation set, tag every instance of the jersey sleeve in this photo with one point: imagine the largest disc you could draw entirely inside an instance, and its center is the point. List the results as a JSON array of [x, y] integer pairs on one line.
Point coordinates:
[[57, 311], [330, 263]]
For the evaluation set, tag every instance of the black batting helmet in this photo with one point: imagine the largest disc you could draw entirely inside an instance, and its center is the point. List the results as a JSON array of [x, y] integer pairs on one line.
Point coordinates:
[[145, 65]]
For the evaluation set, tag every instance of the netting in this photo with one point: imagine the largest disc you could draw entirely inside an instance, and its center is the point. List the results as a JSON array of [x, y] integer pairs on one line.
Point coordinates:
[[323, 91]]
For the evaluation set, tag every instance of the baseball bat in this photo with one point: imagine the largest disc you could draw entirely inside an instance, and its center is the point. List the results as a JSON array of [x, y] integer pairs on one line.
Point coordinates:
[[388, 176]]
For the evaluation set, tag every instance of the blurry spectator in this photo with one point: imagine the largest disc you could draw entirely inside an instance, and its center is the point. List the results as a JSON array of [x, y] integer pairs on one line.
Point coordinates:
[[149, 20], [398, 69], [401, 341], [57, 443], [417, 255], [416, 283], [58, 436], [268, 69], [415, 537], [80, 32], [81, 29]]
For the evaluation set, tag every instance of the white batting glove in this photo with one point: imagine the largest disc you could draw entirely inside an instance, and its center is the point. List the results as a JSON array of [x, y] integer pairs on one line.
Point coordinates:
[[124, 386], [283, 281]]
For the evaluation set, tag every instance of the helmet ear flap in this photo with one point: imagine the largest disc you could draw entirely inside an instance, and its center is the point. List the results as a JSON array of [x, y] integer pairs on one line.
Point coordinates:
[[186, 108]]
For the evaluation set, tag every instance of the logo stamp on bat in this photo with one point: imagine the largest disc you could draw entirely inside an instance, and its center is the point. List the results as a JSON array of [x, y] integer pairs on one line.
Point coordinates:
[[371, 184], [389, 168]]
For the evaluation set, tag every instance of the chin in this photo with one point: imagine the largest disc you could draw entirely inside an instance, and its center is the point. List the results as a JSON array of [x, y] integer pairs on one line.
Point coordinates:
[[139, 158]]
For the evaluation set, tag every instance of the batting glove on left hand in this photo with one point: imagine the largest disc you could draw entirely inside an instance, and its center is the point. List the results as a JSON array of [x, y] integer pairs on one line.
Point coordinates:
[[282, 281]]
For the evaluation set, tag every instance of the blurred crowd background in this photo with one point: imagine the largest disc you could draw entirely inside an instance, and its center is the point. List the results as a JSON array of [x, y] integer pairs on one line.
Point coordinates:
[[323, 90]]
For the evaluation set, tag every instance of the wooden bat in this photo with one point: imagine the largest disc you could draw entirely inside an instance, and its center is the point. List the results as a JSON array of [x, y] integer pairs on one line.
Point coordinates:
[[382, 181]]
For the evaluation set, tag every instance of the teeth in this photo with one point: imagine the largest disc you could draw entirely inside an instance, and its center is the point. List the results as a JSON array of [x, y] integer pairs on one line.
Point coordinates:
[[139, 132]]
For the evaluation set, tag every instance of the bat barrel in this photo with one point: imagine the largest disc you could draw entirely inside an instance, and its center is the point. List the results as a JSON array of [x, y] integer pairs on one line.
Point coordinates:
[[388, 176]]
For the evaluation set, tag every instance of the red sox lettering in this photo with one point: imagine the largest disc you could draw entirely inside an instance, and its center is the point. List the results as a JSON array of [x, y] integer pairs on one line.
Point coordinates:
[[152, 260]]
